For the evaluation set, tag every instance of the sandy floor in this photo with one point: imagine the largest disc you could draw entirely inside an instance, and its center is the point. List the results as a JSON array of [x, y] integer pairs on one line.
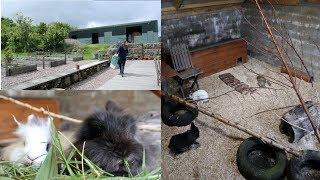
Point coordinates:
[[216, 157]]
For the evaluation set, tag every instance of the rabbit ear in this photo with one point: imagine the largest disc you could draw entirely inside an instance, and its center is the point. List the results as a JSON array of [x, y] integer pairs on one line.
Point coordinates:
[[49, 121], [112, 106], [15, 120], [32, 119]]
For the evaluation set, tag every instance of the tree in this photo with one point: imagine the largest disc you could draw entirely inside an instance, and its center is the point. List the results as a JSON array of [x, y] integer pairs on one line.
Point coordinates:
[[23, 37], [56, 34], [41, 30], [7, 25]]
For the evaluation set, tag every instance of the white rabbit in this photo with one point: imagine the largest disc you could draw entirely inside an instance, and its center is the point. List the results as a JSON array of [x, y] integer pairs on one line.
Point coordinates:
[[33, 144], [200, 95]]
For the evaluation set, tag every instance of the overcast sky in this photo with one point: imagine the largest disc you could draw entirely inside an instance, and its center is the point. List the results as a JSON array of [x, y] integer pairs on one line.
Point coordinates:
[[84, 13]]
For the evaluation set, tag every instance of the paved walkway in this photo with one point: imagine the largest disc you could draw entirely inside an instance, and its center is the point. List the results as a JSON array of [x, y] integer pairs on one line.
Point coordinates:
[[140, 75]]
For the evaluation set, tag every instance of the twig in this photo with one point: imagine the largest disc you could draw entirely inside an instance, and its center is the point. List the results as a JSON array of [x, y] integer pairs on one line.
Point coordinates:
[[41, 110], [289, 72], [272, 79], [234, 125], [213, 97], [51, 114], [268, 110], [292, 124]]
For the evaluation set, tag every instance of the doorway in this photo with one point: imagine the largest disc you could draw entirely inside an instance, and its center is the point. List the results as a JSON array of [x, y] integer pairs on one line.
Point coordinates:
[[95, 38], [131, 32]]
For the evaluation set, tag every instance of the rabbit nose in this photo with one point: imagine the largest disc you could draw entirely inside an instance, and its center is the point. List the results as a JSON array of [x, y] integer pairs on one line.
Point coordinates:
[[31, 159]]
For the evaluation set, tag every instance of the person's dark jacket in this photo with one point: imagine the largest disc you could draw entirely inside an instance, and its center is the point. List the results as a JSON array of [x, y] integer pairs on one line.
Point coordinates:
[[122, 52]]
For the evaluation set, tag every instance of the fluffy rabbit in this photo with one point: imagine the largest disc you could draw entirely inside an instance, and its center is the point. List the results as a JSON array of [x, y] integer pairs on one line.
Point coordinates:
[[200, 95], [34, 142], [110, 141], [185, 141]]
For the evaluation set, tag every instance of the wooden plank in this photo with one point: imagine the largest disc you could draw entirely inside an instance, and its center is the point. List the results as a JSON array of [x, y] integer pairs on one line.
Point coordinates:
[[297, 73], [167, 71], [7, 109], [313, 1], [201, 5], [279, 2]]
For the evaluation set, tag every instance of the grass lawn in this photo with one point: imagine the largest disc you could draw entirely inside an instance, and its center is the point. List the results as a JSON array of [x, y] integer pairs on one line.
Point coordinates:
[[90, 49]]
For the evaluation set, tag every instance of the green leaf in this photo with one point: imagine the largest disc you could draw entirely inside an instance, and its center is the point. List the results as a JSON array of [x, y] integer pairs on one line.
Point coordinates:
[[49, 168]]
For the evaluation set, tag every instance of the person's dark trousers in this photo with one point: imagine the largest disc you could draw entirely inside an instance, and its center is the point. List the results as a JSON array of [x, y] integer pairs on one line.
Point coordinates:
[[121, 64]]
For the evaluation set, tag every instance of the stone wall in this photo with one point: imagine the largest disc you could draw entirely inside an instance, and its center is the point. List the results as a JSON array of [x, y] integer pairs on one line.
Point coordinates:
[[300, 23], [21, 69], [201, 29], [63, 79], [138, 51]]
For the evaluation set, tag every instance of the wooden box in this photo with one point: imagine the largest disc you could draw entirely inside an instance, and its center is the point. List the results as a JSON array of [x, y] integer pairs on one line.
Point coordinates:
[[219, 57], [7, 109]]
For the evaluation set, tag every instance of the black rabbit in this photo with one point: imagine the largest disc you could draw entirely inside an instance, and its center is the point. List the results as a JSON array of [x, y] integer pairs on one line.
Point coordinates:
[[185, 141], [110, 141]]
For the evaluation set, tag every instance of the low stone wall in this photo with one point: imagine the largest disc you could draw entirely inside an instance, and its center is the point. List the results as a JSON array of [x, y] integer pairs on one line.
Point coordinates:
[[152, 51], [11, 71], [149, 51], [57, 63], [75, 59], [64, 79]]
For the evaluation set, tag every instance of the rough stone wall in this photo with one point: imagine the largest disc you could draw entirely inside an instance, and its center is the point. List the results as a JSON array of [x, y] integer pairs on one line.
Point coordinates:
[[201, 29], [138, 51], [300, 23]]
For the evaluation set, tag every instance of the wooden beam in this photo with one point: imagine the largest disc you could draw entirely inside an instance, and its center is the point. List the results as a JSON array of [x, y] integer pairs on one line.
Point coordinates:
[[189, 12], [200, 5], [313, 1], [279, 2], [177, 4]]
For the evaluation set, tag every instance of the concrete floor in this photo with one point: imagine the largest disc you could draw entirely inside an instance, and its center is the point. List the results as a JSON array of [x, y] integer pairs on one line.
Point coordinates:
[[216, 156], [140, 75]]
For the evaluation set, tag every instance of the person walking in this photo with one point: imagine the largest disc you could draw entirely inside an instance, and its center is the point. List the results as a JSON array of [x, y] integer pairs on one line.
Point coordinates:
[[122, 54]]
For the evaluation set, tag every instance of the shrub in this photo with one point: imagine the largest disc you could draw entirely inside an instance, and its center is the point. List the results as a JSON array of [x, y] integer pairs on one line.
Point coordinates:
[[8, 57]]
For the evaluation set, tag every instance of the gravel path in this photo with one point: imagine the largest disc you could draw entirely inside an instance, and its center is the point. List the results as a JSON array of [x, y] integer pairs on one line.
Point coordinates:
[[7, 82], [216, 156], [97, 80]]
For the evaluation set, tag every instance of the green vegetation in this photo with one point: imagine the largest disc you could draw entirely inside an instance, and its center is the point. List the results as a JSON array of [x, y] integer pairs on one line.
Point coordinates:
[[89, 50], [62, 165], [8, 56], [21, 35]]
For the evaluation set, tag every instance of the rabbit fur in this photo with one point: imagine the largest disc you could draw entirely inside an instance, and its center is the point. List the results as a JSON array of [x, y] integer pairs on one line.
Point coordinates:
[[110, 140]]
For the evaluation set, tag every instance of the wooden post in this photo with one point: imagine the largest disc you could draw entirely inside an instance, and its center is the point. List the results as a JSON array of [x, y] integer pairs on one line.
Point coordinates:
[[65, 57], [43, 65]]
